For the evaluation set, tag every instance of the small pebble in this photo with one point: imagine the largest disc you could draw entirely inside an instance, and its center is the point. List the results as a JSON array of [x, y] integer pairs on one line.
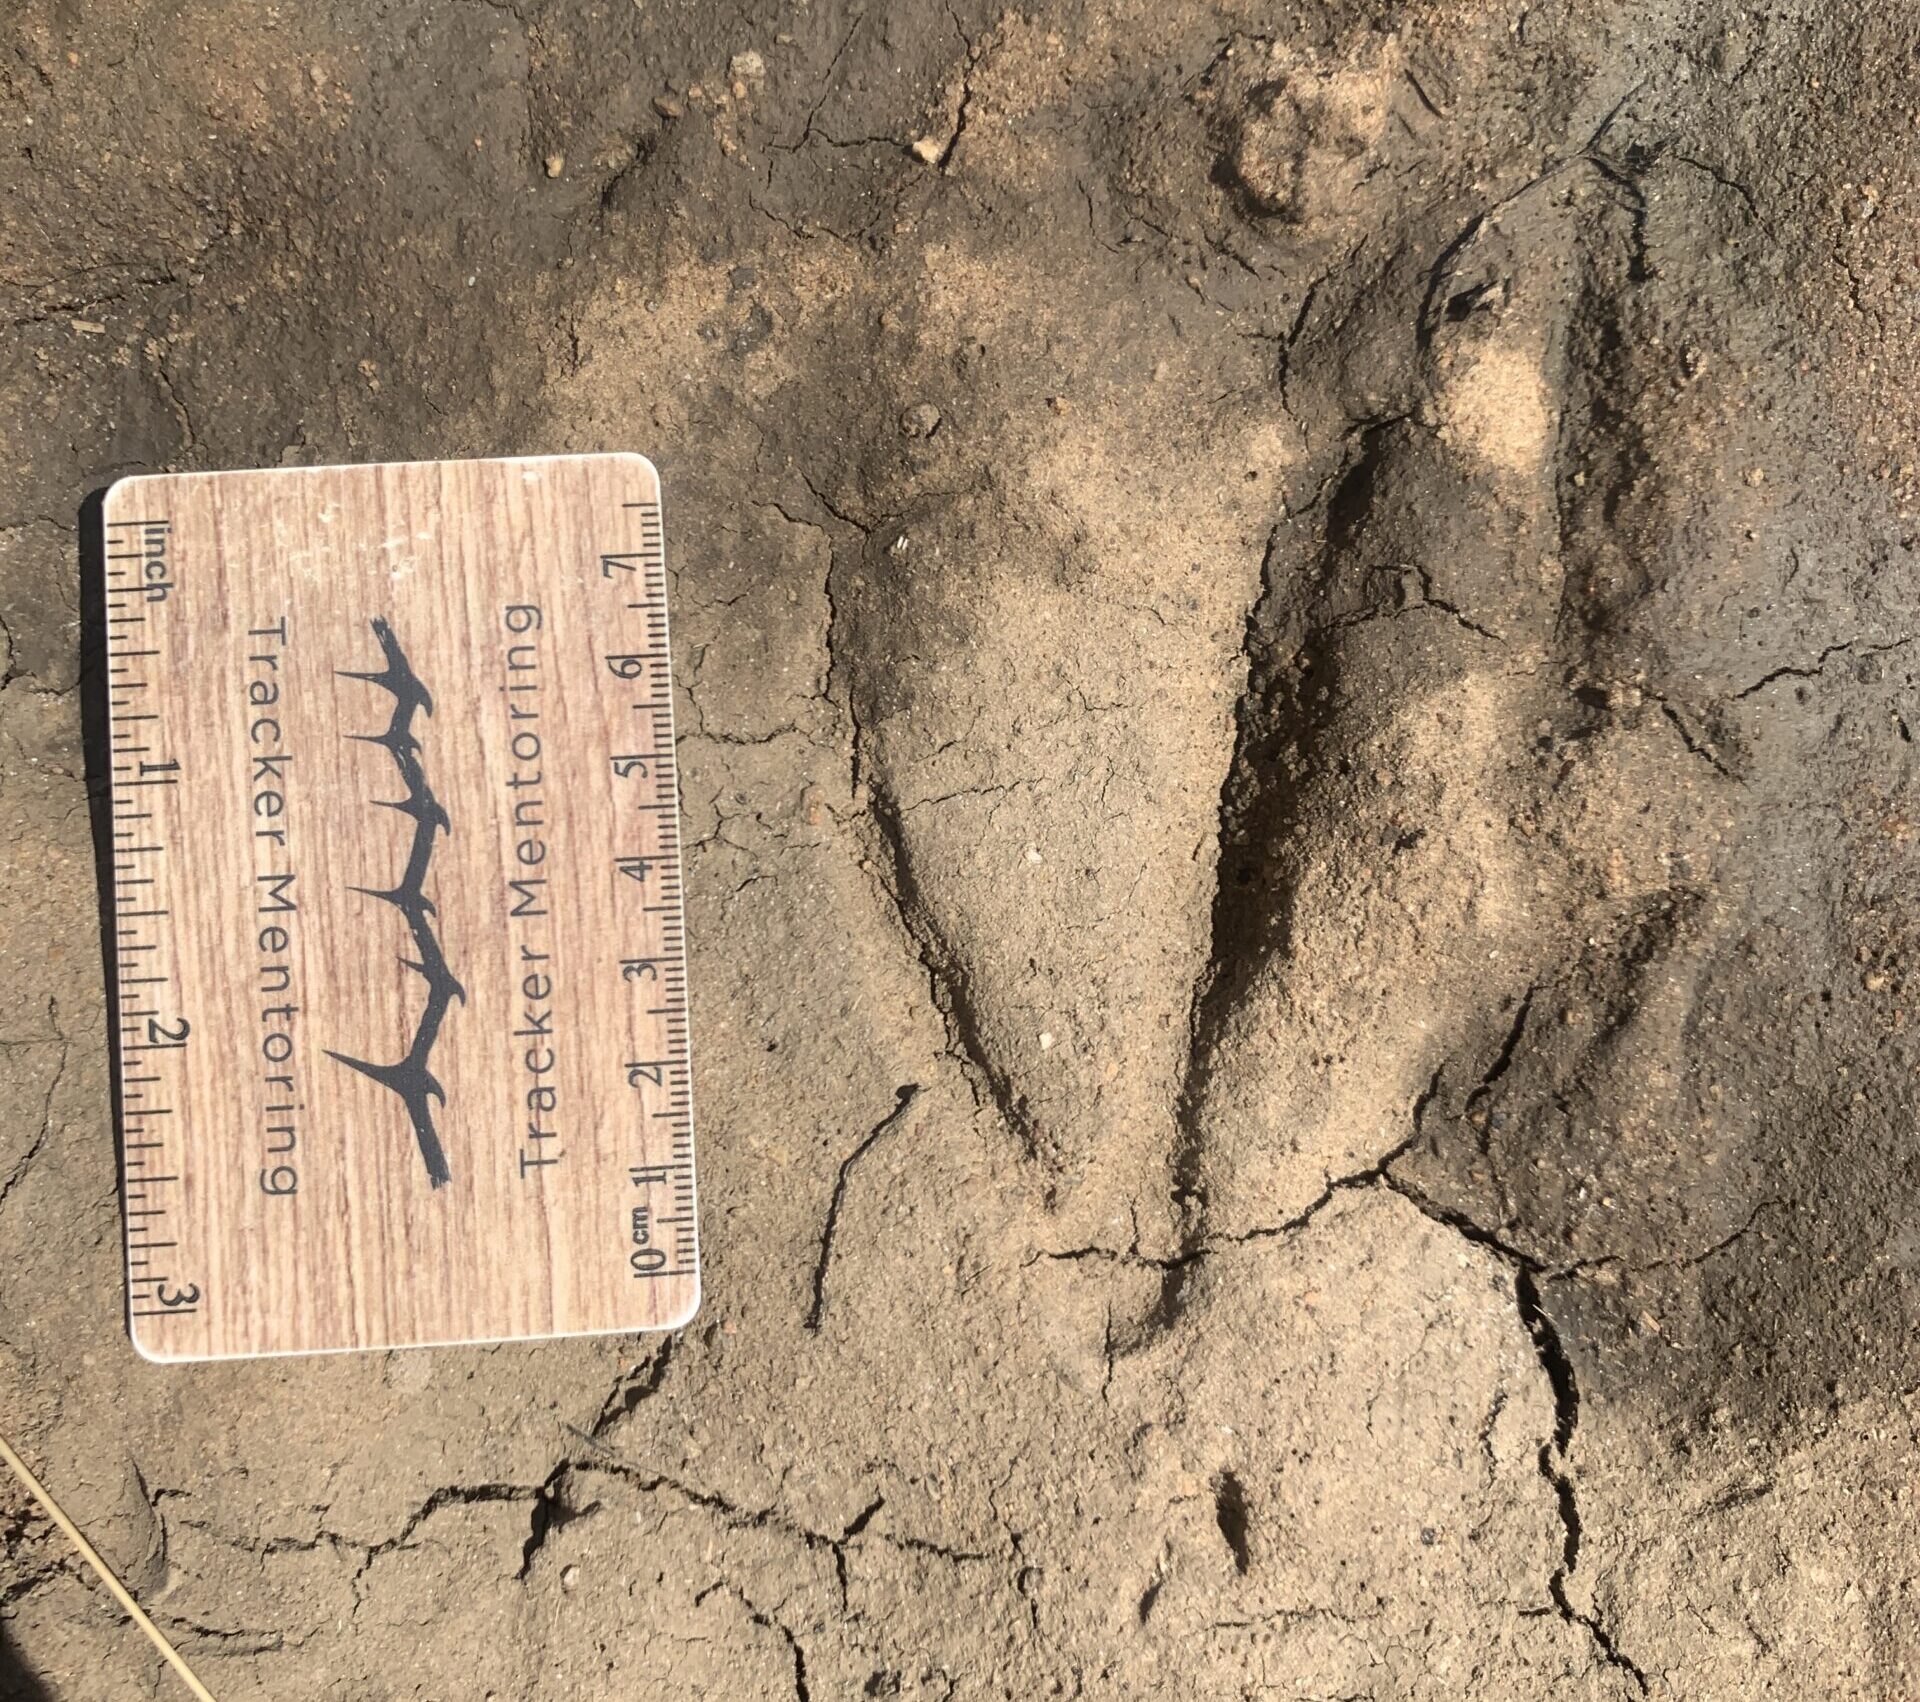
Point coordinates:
[[928, 150], [747, 67], [667, 106], [556, 163], [921, 420]]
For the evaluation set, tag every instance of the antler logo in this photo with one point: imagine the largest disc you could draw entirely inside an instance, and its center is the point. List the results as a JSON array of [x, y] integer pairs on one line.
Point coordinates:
[[410, 1078]]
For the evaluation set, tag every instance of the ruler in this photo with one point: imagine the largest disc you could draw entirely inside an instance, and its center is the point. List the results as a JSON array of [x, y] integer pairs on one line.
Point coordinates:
[[398, 953]]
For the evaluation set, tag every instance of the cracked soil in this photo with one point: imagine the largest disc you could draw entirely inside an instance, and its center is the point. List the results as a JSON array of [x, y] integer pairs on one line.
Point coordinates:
[[1297, 677]]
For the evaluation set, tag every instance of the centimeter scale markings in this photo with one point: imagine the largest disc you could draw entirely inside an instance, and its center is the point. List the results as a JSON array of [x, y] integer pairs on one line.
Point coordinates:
[[666, 975], [398, 938]]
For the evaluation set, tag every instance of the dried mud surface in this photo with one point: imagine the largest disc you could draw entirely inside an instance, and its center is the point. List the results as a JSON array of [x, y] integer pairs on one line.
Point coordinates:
[[1298, 668]]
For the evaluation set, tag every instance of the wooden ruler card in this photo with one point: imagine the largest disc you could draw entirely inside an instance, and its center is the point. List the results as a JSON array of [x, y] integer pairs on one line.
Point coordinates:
[[398, 942]]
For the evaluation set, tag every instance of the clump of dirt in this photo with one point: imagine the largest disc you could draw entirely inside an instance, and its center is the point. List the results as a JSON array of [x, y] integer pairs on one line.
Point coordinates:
[[1297, 675]]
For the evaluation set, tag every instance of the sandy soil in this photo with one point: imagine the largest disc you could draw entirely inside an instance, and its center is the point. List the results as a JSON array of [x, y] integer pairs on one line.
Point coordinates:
[[1298, 676]]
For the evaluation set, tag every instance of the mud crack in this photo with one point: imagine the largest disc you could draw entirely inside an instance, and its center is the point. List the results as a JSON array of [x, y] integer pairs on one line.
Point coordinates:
[[905, 1096], [1556, 1365]]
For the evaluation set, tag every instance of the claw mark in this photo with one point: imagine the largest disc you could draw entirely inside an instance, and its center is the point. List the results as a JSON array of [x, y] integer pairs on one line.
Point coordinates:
[[410, 1078]]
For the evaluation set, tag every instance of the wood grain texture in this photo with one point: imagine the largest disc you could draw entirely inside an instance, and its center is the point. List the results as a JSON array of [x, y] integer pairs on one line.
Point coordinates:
[[401, 984]]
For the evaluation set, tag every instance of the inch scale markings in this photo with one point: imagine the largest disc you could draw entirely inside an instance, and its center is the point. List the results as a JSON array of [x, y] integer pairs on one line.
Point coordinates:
[[140, 589], [371, 1093]]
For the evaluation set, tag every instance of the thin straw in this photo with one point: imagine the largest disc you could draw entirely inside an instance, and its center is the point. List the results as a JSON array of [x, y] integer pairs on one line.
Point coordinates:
[[53, 1512]]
